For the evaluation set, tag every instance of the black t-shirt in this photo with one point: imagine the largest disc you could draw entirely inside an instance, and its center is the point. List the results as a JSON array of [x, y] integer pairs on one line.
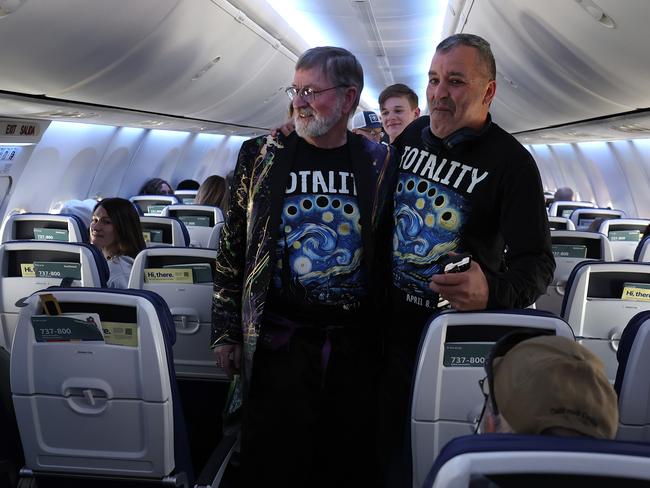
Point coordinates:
[[476, 196], [318, 274]]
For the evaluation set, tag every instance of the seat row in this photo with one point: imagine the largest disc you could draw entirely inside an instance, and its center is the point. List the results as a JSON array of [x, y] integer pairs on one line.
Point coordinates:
[[447, 400], [176, 225], [182, 276]]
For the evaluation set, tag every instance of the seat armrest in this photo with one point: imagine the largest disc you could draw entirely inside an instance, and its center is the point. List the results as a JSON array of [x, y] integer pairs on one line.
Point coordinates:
[[215, 468]]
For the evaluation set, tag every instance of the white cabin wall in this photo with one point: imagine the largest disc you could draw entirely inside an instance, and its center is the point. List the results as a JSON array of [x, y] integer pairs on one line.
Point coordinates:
[[78, 161], [611, 174]]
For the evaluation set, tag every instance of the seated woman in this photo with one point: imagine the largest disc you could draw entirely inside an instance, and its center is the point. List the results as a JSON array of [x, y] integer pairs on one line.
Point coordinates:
[[115, 230], [156, 186], [212, 192]]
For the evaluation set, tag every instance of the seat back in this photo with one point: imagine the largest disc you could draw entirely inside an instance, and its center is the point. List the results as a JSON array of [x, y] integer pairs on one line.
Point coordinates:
[[624, 236], [152, 205], [582, 218], [186, 197], [642, 253], [164, 231], [526, 460], [203, 222], [447, 400], [28, 266], [44, 227], [183, 278], [632, 385], [600, 300], [115, 389], [566, 208], [570, 248], [560, 223]]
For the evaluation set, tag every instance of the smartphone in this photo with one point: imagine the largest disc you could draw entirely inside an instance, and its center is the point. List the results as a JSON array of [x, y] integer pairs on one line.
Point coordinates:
[[455, 263]]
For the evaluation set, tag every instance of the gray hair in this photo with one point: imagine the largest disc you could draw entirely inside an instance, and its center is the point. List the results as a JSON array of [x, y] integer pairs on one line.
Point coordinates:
[[339, 65], [477, 42]]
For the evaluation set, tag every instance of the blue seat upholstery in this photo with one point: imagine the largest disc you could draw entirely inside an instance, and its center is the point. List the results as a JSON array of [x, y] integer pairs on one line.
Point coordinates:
[[468, 457], [642, 252], [123, 397], [15, 284], [560, 223], [446, 400], [632, 385], [22, 227], [594, 308]]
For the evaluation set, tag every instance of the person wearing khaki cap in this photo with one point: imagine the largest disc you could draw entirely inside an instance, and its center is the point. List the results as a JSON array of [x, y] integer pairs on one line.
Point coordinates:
[[547, 385]]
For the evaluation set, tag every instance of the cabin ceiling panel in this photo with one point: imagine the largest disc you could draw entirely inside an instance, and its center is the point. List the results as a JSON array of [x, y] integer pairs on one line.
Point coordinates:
[[49, 46], [554, 69], [197, 58]]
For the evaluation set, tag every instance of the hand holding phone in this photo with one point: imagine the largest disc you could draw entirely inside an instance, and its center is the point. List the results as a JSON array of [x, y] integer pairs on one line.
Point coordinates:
[[455, 263]]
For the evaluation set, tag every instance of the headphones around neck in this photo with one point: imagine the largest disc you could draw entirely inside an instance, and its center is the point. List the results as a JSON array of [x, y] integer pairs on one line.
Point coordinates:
[[464, 134]]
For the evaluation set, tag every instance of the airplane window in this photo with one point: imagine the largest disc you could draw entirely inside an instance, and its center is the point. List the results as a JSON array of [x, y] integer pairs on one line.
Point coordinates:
[[5, 186]]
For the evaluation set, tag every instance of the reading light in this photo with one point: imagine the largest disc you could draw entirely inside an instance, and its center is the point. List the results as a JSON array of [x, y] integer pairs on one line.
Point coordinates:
[[597, 13], [9, 6]]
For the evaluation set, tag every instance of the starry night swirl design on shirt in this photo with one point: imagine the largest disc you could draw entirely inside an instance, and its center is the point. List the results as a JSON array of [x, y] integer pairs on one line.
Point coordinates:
[[428, 218], [322, 236]]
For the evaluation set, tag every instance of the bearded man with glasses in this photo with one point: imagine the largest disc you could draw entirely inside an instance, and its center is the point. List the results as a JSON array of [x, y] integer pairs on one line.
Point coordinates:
[[293, 294]]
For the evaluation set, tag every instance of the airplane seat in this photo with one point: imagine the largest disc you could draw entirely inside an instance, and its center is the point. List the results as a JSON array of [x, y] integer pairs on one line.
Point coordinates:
[[582, 218], [44, 227], [624, 236], [28, 266], [570, 248], [600, 300], [203, 222], [566, 208], [186, 197], [537, 460], [446, 400], [183, 277], [116, 389], [632, 385], [164, 231], [560, 223], [152, 205], [11, 458], [642, 252]]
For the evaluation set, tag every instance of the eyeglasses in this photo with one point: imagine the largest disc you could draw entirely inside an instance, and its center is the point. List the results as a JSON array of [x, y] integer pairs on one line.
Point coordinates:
[[485, 389], [307, 94]]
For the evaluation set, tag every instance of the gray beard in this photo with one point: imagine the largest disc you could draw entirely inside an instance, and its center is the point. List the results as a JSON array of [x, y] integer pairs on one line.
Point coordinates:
[[317, 126]]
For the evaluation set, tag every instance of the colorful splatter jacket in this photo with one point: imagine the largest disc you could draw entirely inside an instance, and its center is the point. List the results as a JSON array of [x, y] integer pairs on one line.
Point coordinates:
[[248, 238]]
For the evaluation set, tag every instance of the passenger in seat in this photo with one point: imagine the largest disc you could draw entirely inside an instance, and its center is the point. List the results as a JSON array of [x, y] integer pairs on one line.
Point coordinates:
[[212, 192], [115, 230], [188, 185], [156, 186], [547, 385], [564, 194]]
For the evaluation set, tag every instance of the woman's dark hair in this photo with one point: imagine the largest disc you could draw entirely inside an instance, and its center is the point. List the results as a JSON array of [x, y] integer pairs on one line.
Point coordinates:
[[212, 192], [126, 224], [188, 185], [154, 187]]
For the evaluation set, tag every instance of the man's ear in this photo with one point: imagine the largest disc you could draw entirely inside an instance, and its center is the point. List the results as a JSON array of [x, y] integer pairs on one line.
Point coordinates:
[[351, 93], [490, 92]]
